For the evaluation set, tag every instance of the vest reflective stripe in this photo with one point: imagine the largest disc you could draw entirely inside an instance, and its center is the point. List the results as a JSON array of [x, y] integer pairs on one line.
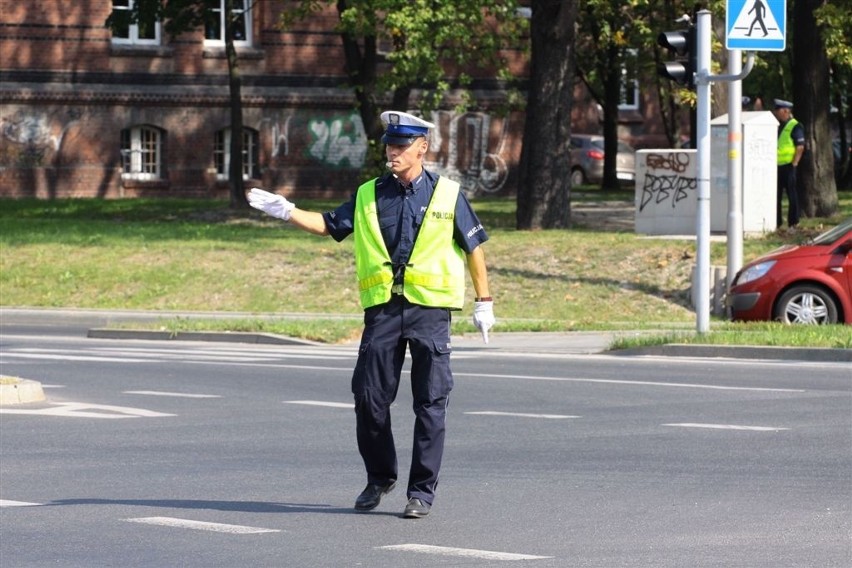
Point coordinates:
[[433, 277], [786, 146]]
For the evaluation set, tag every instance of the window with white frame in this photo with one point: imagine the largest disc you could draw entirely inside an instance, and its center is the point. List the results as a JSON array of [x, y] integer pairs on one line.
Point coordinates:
[[141, 153], [222, 153], [144, 32], [214, 32], [629, 96]]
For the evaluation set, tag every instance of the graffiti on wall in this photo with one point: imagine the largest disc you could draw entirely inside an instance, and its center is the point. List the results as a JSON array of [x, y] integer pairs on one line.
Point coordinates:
[[665, 181], [281, 138], [469, 148], [33, 136], [338, 141], [467, 151]]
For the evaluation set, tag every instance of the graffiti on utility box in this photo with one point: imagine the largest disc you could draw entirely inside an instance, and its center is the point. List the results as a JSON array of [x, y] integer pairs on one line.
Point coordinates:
[[664, 181], [666, 191]]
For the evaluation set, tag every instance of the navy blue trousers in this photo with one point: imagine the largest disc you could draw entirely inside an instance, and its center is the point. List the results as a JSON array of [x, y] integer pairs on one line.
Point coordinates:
[[388, 330], [787, 185]]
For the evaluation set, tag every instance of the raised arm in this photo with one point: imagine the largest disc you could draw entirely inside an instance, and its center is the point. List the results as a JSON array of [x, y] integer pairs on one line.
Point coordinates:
[[278, 206]]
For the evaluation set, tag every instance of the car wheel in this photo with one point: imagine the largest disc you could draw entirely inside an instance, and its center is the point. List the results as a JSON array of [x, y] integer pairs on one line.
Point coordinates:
[[577, 177], [806, 304]]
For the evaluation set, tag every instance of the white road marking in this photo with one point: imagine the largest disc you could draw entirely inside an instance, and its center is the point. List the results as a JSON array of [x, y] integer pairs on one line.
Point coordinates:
[[246, 354], [8, 503], [322, 403], [728, 427], [147, 355], [178, 394], [48, 356], [462, 552], [86, 410], [200, 525], [625, 382], [270, 352], [521, 414], [254, 356], [274, 366]]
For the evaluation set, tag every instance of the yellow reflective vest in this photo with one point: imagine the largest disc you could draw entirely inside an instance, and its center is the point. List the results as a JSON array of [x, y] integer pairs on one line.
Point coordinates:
[[786, 146], [434, 275]]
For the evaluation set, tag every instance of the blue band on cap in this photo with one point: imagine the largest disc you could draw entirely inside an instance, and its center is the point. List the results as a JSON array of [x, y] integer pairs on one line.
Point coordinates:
[[406, 130]]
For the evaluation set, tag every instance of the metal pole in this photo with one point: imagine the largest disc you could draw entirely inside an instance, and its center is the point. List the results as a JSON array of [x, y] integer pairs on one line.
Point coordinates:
[[735, 167], [702, 308]]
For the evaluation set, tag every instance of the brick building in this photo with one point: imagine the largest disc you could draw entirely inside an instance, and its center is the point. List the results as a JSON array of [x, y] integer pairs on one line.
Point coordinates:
[[87, 112]]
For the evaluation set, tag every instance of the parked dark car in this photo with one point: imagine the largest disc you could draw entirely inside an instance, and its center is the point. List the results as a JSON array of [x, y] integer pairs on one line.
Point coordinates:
[[809, 283], [587, 160]]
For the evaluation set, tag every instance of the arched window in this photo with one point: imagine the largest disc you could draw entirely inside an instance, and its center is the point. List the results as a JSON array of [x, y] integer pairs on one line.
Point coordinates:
[[142, 153], [222, 153]]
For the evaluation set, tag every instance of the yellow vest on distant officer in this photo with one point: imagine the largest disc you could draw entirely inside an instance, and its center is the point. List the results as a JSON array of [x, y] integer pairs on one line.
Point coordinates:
[[786, 146], [434, 275]]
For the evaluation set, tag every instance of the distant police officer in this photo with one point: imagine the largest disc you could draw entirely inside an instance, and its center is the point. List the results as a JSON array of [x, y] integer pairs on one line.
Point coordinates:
[[791, 146], [414, 233]]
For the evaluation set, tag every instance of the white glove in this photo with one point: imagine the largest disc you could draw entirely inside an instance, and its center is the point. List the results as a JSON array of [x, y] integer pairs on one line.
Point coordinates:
[[270, 203], [483, 317]]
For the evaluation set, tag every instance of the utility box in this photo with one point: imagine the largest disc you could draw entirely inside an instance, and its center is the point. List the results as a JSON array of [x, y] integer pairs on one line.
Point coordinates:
[[666, 195], [759, 172]]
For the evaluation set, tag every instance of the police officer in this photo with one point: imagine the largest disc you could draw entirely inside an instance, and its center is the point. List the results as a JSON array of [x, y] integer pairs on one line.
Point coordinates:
[[414, 234], [791, 146]]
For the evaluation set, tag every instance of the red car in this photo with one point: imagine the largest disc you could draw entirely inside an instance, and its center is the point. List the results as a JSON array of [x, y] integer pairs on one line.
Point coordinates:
[[809, 283]]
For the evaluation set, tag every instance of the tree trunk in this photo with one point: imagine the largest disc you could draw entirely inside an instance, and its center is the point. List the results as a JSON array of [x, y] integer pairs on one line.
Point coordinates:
[[719, 89], [361, 64], [544, 186], [843, 160], [811, 97], [611, 95], [235, 169]]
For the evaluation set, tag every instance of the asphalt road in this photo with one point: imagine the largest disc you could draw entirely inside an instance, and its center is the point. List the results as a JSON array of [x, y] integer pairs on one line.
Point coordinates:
[[167, 453]]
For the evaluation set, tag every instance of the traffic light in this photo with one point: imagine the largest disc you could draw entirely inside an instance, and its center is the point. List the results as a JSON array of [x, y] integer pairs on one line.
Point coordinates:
[[681, 44]]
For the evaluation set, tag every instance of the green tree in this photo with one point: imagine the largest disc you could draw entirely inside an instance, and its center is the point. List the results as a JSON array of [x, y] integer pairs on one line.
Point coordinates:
[[813, 72], [544, 190], [428, 46], [609, 36], [811, 96], [835, 21], [181, 16]]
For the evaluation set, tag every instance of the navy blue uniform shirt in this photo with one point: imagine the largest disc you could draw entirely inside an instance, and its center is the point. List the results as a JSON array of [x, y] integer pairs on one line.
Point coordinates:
[[401, 212]]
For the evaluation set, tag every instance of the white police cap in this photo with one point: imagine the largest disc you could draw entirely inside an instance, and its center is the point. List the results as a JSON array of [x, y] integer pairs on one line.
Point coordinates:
[[403, 128], [779, 103]]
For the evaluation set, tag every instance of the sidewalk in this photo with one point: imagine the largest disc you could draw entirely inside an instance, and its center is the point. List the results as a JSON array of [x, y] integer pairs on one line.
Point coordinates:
[[97, 324]]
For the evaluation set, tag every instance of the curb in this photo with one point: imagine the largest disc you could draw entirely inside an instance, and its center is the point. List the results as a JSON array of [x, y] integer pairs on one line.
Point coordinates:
[[21, 392], [817, 354], [220, 336], [590, 345]]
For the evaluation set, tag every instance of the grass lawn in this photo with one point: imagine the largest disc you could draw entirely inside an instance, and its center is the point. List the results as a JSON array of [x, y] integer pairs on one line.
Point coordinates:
[[197, 255]]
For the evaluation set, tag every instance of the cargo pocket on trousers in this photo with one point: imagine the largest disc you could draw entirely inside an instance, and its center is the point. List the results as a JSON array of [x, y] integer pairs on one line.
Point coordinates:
[[359, 374], [441, 381]]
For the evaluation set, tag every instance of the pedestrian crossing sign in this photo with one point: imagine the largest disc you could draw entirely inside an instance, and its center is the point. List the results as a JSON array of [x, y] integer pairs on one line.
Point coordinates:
[[757, 25]]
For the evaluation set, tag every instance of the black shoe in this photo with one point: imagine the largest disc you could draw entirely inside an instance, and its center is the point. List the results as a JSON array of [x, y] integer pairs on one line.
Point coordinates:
[[416, 509], [371, 496]]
